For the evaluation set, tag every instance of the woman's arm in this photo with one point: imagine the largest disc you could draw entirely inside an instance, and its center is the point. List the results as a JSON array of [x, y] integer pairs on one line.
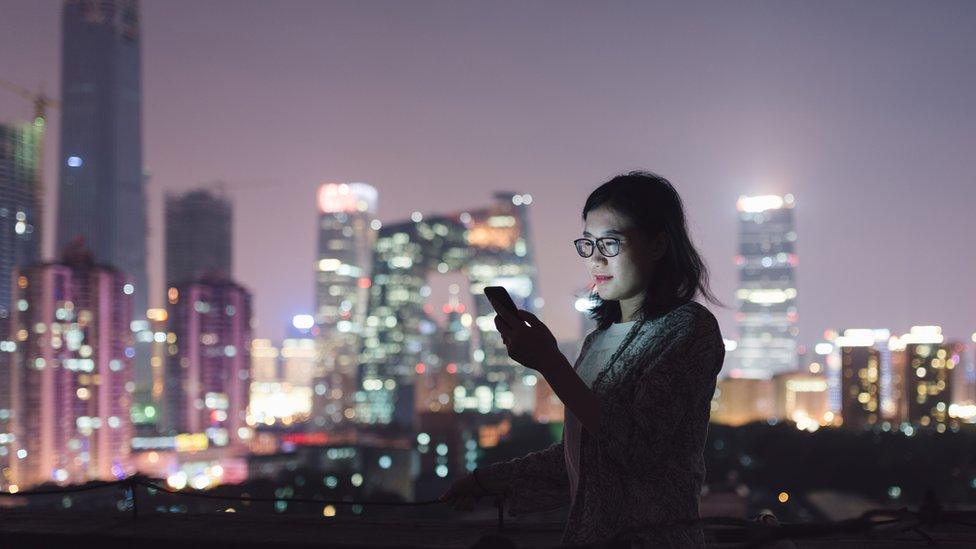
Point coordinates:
[[573, 391], [534, 482]]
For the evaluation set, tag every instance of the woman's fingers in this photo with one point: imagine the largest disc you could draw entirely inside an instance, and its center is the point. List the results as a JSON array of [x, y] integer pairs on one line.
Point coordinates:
[[529, 317], [500, 325]]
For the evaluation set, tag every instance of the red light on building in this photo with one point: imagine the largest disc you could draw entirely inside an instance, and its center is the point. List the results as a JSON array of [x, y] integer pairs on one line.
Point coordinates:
[[446, 308], [420, 367], [306, 439], [335, 197], [364, 282], [460, 308], [452, 368]]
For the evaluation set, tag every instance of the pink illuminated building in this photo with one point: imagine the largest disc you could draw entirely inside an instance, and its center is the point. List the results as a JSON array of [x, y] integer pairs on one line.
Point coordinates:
[[208, 360], [71, 374]]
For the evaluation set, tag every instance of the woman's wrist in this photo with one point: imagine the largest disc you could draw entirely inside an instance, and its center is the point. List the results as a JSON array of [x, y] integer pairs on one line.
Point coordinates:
[[488, 482]]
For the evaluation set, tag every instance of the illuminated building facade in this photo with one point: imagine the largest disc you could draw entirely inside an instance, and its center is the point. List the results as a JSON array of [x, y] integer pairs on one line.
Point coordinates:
[[19, 240], [738, 401], [71, 371], [145, 409], [489, 246], [19, 209], [436, 382], [101, 192], [866, 370], [928, 380], [199, 239], [860, 382], [802, 398], [767, 263], [208, 362], [347, 230], [264, 361]]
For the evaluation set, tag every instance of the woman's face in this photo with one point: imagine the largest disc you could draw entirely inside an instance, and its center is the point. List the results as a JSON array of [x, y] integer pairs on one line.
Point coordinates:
[[625, 275]]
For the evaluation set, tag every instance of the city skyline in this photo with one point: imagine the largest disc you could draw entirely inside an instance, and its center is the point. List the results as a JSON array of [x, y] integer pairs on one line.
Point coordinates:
[[847, 121]]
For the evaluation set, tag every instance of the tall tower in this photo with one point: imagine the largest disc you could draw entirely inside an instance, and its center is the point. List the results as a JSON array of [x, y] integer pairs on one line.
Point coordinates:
[[20, 244], [767, 287], [100, 191], [345, 253], [19, 221], [199, 238]]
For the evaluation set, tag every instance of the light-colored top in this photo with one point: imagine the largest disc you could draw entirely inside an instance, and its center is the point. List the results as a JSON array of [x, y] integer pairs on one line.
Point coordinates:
[[602, 348]]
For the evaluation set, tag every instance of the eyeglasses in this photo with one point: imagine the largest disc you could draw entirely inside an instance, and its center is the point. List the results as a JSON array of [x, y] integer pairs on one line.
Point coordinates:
[[608, 246]]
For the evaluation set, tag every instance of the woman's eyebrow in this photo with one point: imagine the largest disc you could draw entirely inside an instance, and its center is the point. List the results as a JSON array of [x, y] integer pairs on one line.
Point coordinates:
[[610, 231]]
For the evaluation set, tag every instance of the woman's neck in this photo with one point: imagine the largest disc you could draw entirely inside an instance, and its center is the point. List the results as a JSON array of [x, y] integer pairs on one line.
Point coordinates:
[[630, 307]]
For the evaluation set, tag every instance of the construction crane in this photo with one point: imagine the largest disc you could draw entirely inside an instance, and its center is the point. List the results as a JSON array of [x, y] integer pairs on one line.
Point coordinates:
[[41, 102]]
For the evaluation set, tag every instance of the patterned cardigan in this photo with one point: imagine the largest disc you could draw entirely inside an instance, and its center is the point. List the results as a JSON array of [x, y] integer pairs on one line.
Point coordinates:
[[645, 465]]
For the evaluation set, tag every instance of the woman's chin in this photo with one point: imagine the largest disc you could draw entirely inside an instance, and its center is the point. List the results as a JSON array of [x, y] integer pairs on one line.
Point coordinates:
[[605, 295]]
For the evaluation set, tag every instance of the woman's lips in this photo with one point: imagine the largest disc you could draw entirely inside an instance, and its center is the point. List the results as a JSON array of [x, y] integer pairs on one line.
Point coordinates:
[[601, 279]]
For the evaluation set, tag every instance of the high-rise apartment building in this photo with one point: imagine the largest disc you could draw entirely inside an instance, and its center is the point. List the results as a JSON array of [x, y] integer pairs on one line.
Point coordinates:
[[208, 362], [71, 375]]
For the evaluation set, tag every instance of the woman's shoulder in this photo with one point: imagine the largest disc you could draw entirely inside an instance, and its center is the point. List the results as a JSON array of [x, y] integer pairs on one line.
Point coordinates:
[[690, 316]]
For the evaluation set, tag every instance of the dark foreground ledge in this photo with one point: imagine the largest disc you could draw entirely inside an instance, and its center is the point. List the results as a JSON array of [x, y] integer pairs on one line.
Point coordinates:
[[19, 528]]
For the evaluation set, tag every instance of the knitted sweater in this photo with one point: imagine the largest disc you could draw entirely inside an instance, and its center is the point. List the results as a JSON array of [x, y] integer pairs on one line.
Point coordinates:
[[645, 465]]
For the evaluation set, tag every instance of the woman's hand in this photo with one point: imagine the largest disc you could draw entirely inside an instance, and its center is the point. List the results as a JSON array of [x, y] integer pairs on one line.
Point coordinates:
[[532, 345], [465, 491]]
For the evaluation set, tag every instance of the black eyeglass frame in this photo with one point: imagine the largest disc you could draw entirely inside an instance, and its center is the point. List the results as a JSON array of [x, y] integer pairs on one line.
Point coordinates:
[[598, 244]]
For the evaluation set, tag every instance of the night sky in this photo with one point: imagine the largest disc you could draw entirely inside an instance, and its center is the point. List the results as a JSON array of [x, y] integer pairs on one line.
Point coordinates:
[[865, 111]]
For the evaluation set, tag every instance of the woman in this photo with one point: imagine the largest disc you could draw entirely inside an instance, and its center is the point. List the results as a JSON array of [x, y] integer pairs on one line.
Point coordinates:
[[638, 397]]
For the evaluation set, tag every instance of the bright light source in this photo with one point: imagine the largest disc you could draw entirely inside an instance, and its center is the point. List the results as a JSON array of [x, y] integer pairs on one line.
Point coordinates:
[[823, 348], [583, 304], [924, 335], [302, 322], [756, 204]]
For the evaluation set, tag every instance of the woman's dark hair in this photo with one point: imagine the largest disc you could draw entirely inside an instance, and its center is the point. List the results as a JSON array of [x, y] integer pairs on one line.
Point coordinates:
[[652, 205]]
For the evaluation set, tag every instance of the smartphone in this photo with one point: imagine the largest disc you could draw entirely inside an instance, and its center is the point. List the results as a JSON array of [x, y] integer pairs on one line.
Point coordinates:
[[499, 299]]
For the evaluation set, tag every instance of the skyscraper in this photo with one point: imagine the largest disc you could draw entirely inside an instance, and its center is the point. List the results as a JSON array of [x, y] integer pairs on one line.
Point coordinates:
[[101, 189], [72, 371], [208, 367], [767, 288], [199, 238], [491, 247], [345, 253], [19, 242], [19, 208]]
